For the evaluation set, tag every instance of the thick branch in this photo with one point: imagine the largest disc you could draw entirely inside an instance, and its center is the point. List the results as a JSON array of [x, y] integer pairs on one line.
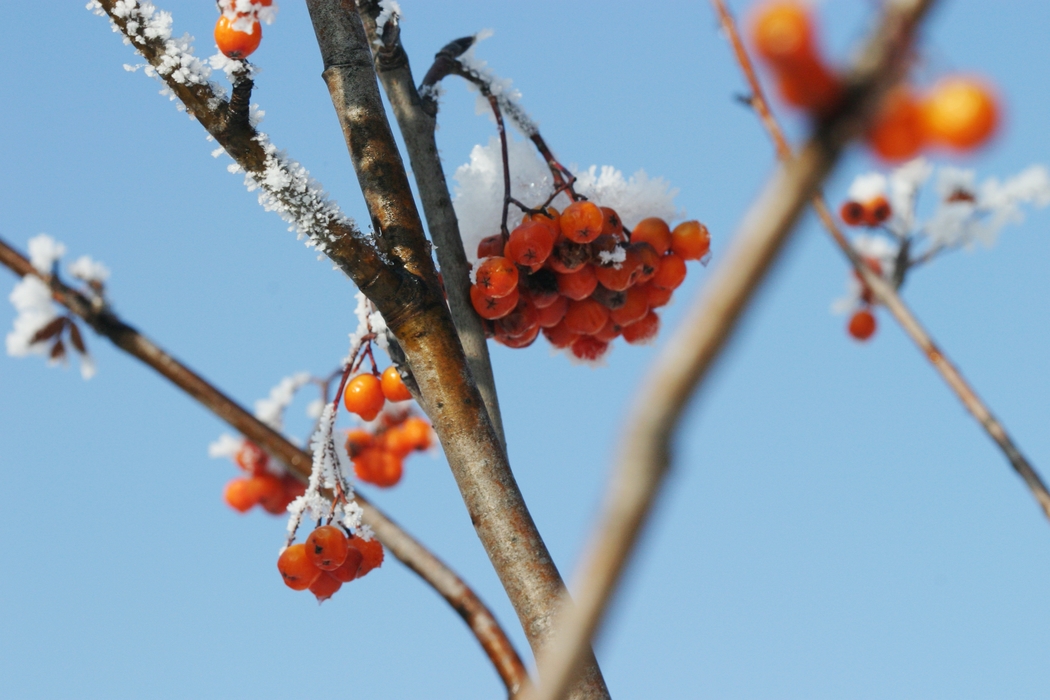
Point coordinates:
[[418, 130], [428, 337], [885, 292], [646, 454], [412, 553]]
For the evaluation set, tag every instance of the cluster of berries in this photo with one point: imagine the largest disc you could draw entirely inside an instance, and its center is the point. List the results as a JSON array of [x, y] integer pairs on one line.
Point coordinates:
[[378, 453], [959, 113], [261, 487], [238, 31], [327, 560], [378, 456], [581, 278]]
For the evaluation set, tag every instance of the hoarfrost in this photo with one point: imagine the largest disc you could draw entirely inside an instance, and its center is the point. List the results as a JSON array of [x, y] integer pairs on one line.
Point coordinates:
[[31, 298], [44, 252], [88, 270], [479, 191], [271, 409]]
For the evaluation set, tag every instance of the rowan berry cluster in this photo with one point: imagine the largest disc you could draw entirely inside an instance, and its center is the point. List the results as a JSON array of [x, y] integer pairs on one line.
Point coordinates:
[[238, 31], [261, 487], [959, 112], [378, 453], [326, 560], [582, 279]]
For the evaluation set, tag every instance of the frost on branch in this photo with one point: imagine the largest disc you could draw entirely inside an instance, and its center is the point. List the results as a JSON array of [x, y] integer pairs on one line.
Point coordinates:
[[964, 213], [271, 409], [32, 301], [479, 191]]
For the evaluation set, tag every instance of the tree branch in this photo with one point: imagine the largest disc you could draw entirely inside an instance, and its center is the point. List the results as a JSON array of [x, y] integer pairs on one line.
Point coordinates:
[[428, 337], [646, 454], [411, 552], [418, 130], [885, 292]]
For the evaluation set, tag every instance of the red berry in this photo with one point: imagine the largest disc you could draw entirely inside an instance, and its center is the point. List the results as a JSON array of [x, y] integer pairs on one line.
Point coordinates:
[[371, 555], [364, 396], [418, 432], [296, 568], [862, 325], [612, 224], [897, 132], [251, 458], [491, 246], [492, 308], [620, 276], [530, 244], [325, 586], [586, 316], [560, 336], [876, 211], [579, 284], [671, 272], [326, 547], [641, 332], [347, 571], [852, 213], [635, 307], [523, 340], [589, 348], [497, 277]]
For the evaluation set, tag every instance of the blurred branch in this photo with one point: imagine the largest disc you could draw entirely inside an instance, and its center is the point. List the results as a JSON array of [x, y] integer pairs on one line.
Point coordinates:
[[418, 130], [428, 337], [411, 552], [645, 456], [885, 292]]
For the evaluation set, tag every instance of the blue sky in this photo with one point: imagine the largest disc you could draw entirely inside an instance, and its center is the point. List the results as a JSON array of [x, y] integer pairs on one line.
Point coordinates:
[[836, 524]]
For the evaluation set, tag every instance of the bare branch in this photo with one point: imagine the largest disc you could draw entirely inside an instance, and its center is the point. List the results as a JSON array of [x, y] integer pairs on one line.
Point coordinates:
[[885, 293], [417, 127], [411, 552], [646, 454], [428, 337]]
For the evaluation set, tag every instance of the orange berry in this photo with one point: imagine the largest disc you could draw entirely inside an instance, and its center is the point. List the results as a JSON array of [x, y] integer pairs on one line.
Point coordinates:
[[357, 440], [497, 277], [271, 493], [641, 332], [782, 33], [371, 555], [550, 316], [296, 568], [635, 307], [568, 256], [620, 276], [852, 213], [234, 43], [521, 321], [418, 432], [491, 246], [810, 86], [347, 571], [578, 284], [393, 386], [560, 336], [325, 586], [364, 396], [541, 288], [378, 467], [671, 273], [876, 211], [240, 496], [653, 231], [862, 325], [326, 547], [657, 296], [897, 132], [549, 218], [396, 442], [251, 458], [530, 244], [582, 222], [649, 259], [586, 316], [587, 347], [609, 332], [961, 113], [612, 224], [690, 240], [492, 308], [522, 340]]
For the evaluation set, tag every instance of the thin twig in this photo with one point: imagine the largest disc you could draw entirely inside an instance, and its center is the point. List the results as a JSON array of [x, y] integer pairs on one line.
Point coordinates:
[[885, 292], [428, 337], [645, 457], [411, 552]]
